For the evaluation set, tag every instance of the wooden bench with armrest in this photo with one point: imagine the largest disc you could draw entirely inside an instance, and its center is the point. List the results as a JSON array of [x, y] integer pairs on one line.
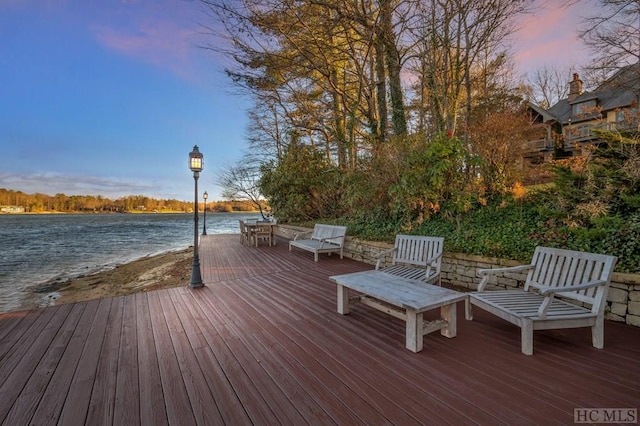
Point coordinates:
[[415, 257], [324, 239], [563, 289]]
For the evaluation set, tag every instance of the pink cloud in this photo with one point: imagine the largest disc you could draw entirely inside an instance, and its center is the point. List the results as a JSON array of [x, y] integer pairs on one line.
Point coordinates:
[[543, 23], [162, 43], [549, 37]]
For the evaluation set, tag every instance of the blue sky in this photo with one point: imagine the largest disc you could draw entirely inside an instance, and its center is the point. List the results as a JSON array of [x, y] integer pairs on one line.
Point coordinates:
[[108, 97]]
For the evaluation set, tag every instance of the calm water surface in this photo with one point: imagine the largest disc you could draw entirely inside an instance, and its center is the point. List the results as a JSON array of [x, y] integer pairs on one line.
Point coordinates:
[[38, 249]]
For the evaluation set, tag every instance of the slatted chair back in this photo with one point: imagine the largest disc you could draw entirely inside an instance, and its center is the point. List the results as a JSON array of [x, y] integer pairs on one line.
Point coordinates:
[[263, 233], [565, 268], [417, 250], [244, 235], [334, 234], [415, 257]]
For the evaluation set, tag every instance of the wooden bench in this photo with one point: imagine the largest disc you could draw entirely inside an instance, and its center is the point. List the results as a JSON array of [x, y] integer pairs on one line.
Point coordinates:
[[324, 239], [402, 298], [415, 257], [563, 289]]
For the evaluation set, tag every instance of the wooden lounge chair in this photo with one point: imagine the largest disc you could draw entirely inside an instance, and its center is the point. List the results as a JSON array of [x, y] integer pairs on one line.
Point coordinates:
[[563, 289], [415, 257], [324, 239]]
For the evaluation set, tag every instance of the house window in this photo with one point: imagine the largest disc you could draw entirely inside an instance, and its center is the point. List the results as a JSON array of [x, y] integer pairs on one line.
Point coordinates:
[[582, 108], [627, 115]]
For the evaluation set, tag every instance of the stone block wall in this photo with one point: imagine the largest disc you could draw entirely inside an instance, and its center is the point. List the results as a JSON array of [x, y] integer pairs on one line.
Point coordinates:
[[623, 301]]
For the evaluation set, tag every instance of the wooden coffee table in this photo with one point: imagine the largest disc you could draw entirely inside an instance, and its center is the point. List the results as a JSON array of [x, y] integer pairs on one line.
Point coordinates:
[[402, 298]]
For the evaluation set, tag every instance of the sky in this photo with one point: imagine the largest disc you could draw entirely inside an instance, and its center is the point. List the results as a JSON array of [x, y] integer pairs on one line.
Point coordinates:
[[108, 97]]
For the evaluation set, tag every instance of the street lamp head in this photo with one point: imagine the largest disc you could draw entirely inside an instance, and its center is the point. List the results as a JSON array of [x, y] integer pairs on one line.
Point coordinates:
[[196, 160], [205, 195]]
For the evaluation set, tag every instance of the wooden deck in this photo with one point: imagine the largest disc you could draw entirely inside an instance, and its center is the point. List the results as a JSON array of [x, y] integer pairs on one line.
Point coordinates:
[[262, 344]]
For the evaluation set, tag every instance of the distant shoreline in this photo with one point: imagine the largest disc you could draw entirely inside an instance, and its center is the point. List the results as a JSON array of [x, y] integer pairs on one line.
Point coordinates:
[[53, 212], [83, 212]]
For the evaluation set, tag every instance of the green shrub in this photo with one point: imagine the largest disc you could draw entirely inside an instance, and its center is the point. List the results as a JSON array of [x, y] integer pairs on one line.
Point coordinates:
[[414, 186], [302, 186]]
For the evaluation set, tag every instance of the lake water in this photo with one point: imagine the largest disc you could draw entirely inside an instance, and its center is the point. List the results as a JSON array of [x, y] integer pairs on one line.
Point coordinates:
[[37, 249]]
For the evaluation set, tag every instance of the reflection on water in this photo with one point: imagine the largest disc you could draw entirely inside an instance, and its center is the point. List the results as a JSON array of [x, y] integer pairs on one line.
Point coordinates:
[[36, 249]]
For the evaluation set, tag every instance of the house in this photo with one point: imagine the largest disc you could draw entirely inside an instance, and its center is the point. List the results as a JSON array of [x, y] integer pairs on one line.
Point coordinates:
[[569, 124], [11, 209], [542, 140]]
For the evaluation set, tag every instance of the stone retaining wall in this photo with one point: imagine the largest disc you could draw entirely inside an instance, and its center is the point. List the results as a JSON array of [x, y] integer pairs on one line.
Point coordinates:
[[623, 301]]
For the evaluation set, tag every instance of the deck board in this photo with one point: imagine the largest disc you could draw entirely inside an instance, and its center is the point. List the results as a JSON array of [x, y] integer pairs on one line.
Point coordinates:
[[238, 367], [101, 405], [152, 407], [64, 368], [16, 324], [127, 409], [51, 366], [262, 343], [227, 402], [83, 379], [175, 395]]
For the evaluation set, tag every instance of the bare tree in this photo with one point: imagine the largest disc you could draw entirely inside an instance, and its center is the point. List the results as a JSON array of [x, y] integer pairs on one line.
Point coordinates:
[[266, 132], [614, 34], [239, 182], [452, 41], [549, 85]]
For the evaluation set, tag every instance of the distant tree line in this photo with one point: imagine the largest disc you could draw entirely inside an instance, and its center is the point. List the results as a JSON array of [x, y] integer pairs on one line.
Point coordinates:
[[34, 203]]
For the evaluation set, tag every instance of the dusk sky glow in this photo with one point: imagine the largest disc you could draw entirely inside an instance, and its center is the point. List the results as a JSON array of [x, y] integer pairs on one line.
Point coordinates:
[[109, 97]]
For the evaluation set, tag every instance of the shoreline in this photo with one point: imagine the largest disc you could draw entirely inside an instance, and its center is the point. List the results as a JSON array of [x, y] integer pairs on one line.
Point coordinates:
[[153, 272], [47, 260], [54, 212]]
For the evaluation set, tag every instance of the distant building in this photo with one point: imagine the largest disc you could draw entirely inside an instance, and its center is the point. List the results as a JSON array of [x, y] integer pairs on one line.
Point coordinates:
[[11, 209], [569, 124]]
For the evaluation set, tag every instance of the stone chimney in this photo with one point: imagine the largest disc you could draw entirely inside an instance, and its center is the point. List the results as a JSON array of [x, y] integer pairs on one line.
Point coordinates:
[[575, 87]]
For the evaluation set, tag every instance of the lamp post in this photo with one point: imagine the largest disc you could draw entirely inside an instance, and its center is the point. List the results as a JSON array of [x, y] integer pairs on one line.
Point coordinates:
[[204, 225], [196, 163]]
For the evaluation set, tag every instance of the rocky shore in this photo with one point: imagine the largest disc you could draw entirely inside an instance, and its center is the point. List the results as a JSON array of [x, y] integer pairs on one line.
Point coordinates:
[[149, 273]]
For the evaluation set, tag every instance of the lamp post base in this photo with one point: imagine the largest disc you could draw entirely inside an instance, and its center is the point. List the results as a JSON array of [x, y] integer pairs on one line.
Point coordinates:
[[204, 225], [196, 277]]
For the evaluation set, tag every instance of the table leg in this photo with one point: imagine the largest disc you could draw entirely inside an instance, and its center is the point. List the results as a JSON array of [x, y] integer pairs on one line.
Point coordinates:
[[414, 333], [448, 313], [343, 300]]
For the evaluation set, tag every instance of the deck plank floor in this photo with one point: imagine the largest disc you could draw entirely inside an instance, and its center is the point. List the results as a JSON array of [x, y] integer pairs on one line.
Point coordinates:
[[261, 343]]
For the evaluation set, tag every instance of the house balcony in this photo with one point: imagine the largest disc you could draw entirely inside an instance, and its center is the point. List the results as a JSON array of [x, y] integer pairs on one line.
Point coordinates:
[[537, 147], [586, 133]]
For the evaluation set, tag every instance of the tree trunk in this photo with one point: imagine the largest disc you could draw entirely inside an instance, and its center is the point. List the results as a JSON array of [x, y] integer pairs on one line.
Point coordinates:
[[392, 59]]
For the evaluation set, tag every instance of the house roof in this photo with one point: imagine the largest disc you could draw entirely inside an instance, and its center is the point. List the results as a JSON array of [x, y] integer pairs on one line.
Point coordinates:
[[618, 91], [546, 116], [561, 111]]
